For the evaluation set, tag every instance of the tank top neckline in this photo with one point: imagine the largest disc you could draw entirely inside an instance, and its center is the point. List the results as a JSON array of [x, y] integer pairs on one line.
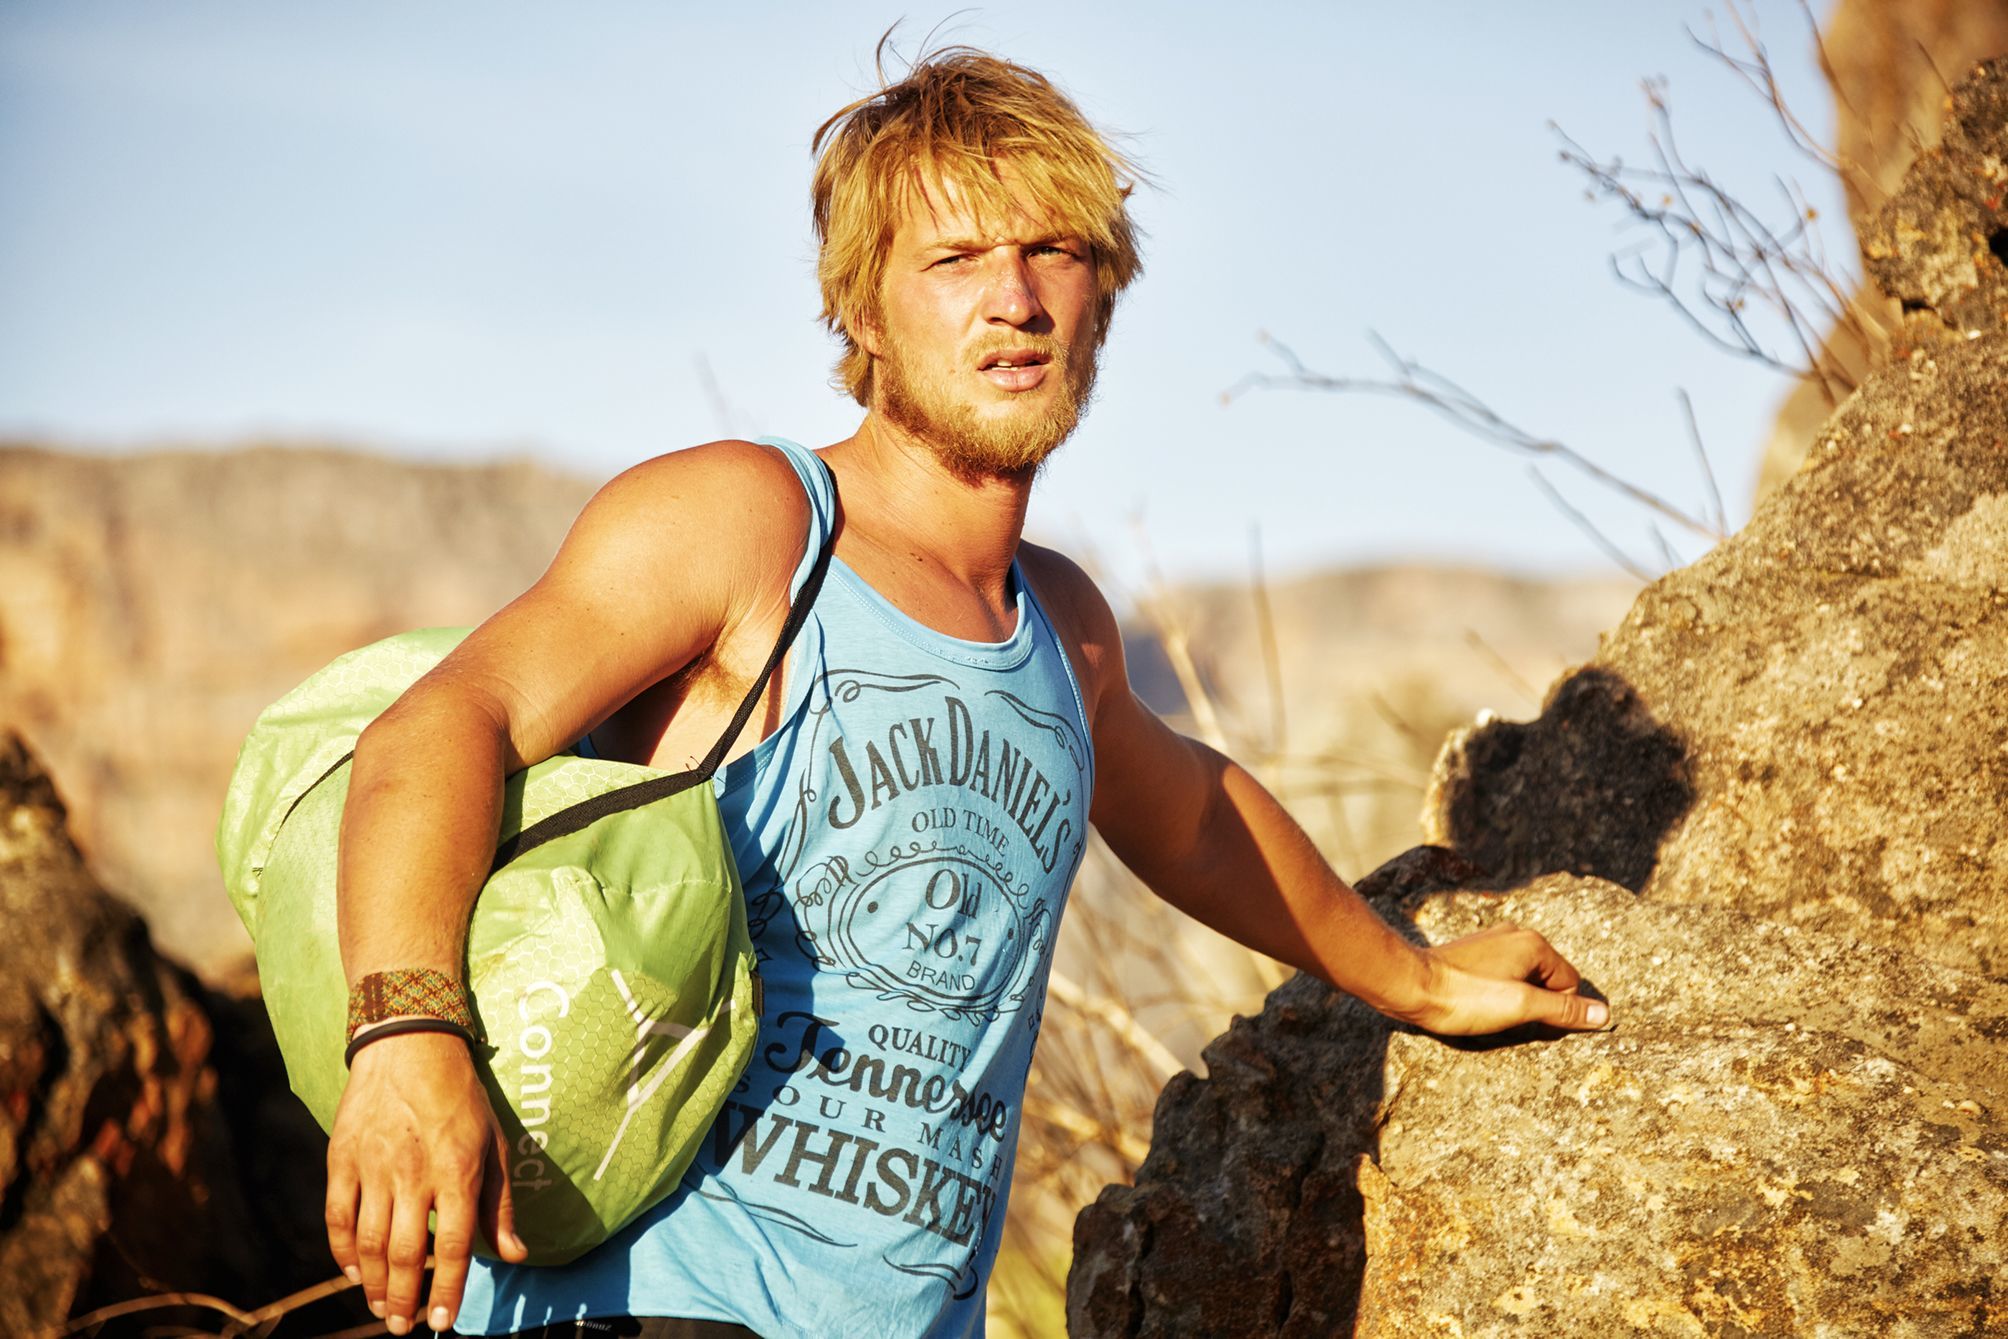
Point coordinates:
[[1007, 654], [1001, 655]]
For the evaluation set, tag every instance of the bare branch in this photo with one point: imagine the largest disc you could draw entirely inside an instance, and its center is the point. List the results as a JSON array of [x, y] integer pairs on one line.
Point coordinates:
[[1752, 288], [730, 421], [1583, 523], [1460, 406], [1265, 627], [1717, 510], [1667, 556], [1500, 664], [1755, 70]]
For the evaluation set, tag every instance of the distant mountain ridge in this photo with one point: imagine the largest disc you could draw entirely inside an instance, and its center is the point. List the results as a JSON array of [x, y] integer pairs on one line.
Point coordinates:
[[151, 604]]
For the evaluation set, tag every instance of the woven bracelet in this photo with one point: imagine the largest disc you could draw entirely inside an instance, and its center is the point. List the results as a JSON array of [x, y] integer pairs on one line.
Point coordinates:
[[410, 992]]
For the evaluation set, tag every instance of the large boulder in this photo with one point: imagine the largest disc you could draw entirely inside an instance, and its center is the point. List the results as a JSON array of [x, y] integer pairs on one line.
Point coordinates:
[[1805, 723], [1765, 820], [139, 1150], [1785, 1130], [1787, 1133]]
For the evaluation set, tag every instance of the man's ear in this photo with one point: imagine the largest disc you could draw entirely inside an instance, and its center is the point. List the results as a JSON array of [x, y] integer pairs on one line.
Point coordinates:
[[865, 332]]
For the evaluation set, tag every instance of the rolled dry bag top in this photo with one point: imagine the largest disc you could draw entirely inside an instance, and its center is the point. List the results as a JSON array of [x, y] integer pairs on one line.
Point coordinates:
[[607, 955]]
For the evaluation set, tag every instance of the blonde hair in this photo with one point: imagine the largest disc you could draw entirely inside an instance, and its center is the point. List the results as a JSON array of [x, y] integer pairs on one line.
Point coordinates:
[[957, 118]]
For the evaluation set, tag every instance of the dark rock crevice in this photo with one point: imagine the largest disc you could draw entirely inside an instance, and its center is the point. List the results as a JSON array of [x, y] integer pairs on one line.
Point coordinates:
[[138, 1152]]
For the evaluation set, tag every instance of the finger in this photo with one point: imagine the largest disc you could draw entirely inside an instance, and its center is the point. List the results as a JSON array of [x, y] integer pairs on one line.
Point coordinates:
[[340, 1214], [372, 1239], [407, 1260], [498, 1203], [452, 1244], [1550, 968], [1566, 1009]]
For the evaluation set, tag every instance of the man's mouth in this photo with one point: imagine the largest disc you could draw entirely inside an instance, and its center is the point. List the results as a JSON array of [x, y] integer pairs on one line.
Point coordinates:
[[1014, 369]]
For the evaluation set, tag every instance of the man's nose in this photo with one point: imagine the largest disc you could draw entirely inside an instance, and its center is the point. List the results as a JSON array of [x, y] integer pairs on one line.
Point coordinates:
[[1011, 297]]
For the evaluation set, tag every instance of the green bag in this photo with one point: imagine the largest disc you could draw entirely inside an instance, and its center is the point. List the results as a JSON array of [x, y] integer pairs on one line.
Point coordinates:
[[608, 958]]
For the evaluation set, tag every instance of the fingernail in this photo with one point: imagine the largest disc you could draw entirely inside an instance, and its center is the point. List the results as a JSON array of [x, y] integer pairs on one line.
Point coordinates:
[[398, 1324], [439, 1320], [376, 1309], [355, 1275], [517, 1242], [1600, 1013]]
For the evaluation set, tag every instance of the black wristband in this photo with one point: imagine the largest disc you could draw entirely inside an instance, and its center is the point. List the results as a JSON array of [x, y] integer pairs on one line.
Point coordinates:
[[401, 1025]]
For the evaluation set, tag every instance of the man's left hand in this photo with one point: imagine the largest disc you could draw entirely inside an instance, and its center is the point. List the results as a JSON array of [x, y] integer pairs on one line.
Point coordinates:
[[1499, 978]]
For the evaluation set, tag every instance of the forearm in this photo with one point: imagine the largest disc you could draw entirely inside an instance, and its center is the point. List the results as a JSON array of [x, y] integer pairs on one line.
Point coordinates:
[[418, 833], [1252, 873]]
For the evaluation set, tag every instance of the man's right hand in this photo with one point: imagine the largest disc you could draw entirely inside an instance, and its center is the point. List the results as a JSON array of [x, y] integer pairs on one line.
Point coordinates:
[[415, 1133]]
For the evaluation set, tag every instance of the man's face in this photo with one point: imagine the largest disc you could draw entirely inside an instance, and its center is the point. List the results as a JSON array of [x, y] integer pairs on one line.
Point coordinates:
[[985, 343]]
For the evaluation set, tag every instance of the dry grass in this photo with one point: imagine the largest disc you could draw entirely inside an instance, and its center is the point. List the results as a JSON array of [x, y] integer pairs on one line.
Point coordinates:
[[139, 1315], [1138, 989]]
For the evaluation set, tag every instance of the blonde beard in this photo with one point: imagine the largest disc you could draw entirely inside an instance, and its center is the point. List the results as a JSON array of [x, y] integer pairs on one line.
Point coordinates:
[[973, 445]]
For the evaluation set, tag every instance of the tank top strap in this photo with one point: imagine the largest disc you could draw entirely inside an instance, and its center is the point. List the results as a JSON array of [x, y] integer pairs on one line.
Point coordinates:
[[1058, 650], [821, 488], [801, 669]]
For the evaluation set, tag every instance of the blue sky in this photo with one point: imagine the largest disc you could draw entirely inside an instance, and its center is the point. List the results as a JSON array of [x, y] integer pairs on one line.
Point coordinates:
[[455, 230]]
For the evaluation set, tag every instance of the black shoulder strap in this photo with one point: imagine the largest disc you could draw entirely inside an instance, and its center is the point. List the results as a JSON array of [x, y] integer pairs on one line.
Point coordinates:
[[574, 817]]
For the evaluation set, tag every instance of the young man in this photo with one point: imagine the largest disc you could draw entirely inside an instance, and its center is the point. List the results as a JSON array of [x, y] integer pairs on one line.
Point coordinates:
[[953, 715]]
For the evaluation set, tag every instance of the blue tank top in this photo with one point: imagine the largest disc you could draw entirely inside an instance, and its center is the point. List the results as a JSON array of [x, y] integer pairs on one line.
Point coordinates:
[[906, 839]]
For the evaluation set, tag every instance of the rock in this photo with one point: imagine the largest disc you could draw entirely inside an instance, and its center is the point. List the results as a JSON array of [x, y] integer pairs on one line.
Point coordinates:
[[1940, 244], [1887, 62], [1765, 821], [123, 1147], [1749, 1150], [1804, 724], [1246, 1217]]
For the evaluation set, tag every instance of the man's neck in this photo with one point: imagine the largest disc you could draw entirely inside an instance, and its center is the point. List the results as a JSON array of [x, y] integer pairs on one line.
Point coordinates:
[[903, 500]]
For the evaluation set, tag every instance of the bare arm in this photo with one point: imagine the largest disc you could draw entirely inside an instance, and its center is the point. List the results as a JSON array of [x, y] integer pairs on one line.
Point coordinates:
[[661, 562], [1207, 837]]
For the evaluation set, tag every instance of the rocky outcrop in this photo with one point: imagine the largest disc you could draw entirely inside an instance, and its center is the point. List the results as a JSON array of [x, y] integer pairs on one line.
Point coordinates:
[[1765, 822], [1749, 1150], [138, 1152], [1888, 63], [152, 604], [1805, 724], [1787, 1133], [1940, 245]]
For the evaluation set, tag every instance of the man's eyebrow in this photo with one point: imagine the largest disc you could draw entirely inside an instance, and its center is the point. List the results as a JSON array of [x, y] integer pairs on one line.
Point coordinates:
[[985, 243]]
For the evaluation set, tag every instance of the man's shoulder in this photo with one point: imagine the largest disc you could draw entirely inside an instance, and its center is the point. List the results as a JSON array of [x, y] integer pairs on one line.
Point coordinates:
[[1058, 579], [740, 502], [751, 482], [1080, 613]]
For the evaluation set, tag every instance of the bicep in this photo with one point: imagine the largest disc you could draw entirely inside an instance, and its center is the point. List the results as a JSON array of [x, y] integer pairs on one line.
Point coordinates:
[[644, 583], [1153, 786]]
